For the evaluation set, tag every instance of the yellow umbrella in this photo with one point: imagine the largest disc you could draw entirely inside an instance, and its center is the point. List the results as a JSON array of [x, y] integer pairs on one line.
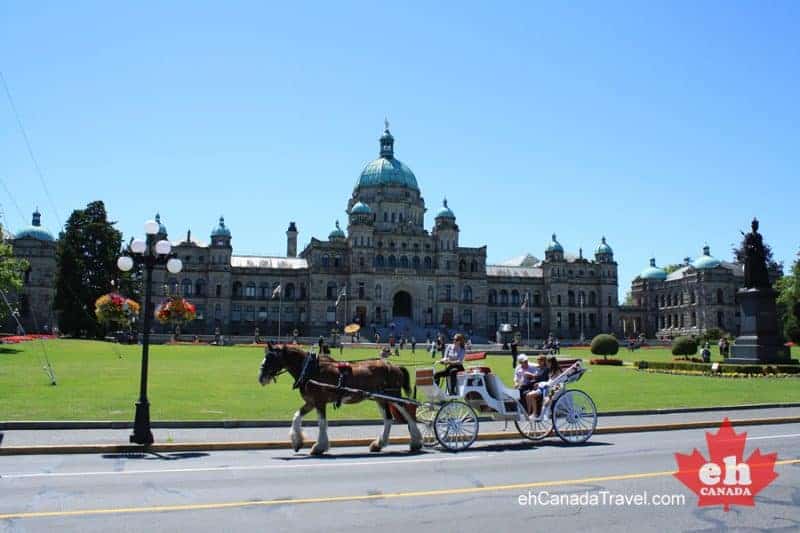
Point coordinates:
[[352, 328]]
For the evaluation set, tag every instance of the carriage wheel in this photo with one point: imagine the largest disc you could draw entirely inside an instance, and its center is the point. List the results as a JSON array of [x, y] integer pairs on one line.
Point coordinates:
[[425, 416], [456, 425], [533, 429], [574, 416]]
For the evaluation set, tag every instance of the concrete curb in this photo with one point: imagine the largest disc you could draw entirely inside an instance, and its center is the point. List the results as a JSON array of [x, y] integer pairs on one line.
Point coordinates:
[[204, 424], [275, 445]]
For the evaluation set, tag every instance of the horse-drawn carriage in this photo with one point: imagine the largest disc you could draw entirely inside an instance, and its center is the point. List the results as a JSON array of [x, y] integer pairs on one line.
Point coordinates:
[[452, 420]]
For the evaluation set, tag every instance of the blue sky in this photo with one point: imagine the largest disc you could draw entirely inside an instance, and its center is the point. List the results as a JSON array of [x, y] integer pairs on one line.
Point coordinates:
[[662, 125]]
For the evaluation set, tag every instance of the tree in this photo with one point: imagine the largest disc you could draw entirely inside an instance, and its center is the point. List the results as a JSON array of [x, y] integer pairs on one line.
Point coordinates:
[[87, 256], [684, 346], [604, 345], [789, 302], [11, 272], [628, 298]]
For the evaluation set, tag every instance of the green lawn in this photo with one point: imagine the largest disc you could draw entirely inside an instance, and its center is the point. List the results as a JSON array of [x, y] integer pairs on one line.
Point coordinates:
[[99, 381]]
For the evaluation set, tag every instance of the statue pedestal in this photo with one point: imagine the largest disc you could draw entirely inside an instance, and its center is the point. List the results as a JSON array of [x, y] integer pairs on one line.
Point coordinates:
[[759, 341]]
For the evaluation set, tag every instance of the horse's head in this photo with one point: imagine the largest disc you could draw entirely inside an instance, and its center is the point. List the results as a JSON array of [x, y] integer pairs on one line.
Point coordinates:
[[272, 365]]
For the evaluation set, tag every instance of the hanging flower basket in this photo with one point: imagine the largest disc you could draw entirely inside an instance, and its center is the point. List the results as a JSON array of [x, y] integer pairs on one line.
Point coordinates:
[[176, 310], [113, 308]]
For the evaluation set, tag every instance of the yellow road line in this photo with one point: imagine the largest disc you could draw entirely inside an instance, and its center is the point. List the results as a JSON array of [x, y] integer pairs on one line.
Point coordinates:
[[350, 498]]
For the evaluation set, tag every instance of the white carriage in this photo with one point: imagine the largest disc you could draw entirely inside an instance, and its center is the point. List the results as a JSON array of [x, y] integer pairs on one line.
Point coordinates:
[[453, 420]]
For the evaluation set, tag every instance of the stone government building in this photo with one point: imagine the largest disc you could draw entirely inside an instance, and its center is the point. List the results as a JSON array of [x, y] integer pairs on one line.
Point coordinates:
[[388, 269]]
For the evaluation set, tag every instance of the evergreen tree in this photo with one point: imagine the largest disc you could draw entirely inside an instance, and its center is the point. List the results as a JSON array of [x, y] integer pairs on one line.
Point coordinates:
[[789, 302], [87, 267], [11, 272]]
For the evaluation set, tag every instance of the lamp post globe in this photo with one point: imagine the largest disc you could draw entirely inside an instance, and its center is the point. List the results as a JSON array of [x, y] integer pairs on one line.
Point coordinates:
[[174, 265], [163, 247], [125, 263], [151, 227]]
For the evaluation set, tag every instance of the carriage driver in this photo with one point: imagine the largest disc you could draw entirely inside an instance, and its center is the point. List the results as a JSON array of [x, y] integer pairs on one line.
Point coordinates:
[[454, 359]]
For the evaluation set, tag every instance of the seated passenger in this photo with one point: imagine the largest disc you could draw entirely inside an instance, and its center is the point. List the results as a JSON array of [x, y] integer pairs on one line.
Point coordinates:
[[526, 377], [543, 389]]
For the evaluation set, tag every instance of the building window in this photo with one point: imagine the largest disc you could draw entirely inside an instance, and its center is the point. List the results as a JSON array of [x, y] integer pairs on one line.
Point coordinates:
[[200, 287], [337, 262], [609, 301], [503, 297], [415, 263], [218, 311], [264, 292], [289, 292], [428, 263], [571, 300], [379, 261], [326, 261], [492, 296], [448, 292], [466, 317], [720, 297], [467, 294], [302, 291], [236, 312], [610, 321], [692, 297], [218, 291], [721, 320], [237, 289], [392, 261], [404, 262], [558, 300], [249, 313], [571, 320], [473, 266], [186, 287], [262, 313], [462, 266], [361, 290], [515, 297], [361, 261], [330, 292], [250, 290]]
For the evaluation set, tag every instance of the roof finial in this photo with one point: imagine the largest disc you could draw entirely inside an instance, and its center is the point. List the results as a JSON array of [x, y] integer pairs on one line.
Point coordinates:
[[386, 123], [337, 225], [603, 240], [445, 201]]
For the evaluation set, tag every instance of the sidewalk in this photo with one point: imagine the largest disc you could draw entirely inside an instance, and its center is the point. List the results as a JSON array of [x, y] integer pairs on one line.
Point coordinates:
[[195, 435]]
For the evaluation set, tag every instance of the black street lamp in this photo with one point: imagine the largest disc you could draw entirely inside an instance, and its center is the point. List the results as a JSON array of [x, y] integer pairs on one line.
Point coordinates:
[[148, 253]]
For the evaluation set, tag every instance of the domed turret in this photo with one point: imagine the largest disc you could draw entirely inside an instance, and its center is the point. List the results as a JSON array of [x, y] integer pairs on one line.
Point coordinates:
[[387, 170], [337, 234], [162, 229], [554, 245], [360, 208], [603, 253], [653, 272], [706, 261], [445, 212], [221, 230], [35, 230]]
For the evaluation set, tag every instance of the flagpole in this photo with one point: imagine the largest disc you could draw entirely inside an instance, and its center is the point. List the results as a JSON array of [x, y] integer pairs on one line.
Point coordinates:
[[280, 307]]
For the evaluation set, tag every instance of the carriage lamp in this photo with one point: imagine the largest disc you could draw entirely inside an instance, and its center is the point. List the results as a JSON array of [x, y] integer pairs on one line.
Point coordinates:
[[148, 253]]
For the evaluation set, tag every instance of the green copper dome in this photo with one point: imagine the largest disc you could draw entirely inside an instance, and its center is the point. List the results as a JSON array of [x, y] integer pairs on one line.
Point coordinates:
[[653, 272], [387, 170], [221, 230], [554, 245], [603, 248], [337, 233], [706, 261], [445, 212], [35, 230], [360, 208]]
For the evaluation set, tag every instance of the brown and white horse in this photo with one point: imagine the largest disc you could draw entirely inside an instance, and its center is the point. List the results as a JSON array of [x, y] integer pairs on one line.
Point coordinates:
[[371, 376]]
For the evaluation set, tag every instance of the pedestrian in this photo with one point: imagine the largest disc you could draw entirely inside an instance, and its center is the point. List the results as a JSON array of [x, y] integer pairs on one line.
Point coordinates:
[[558, 346], [514, 352], [454, 359], [413, 344]]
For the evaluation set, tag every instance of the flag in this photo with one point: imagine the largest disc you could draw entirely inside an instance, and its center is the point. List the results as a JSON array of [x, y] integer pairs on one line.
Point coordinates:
[[277, 291], [342, 294], [524, 302]]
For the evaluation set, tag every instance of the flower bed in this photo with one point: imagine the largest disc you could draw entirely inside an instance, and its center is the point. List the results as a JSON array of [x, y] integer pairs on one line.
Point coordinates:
[[610, 362], [722, 369], [16, 339]]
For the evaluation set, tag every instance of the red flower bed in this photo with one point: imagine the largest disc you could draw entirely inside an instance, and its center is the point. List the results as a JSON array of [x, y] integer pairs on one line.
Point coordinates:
[[15, 339], [610, 362]]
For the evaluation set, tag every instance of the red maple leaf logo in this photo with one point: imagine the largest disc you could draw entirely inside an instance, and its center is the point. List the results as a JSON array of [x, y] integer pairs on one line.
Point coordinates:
[[725, 479]]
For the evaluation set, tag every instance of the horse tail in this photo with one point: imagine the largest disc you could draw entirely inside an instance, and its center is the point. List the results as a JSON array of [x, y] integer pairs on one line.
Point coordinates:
[[406, 380]]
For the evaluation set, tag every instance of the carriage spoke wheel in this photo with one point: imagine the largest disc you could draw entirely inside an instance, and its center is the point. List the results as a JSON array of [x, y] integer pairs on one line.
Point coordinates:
[[455, 426], [425, 416], [574, 416], [533, 429]]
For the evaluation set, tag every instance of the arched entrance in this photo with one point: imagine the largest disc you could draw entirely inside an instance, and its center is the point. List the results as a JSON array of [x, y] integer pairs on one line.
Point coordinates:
[[402, 304]]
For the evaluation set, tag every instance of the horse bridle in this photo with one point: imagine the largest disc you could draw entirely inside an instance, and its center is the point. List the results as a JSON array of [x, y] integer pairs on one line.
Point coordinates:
[[273, 376]]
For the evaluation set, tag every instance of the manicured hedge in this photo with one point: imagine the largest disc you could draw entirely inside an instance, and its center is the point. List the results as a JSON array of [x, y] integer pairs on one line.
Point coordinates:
[[611, 362], [723, 368]]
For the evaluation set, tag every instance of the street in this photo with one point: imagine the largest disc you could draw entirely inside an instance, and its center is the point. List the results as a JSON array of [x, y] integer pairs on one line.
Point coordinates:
[[493, 485]]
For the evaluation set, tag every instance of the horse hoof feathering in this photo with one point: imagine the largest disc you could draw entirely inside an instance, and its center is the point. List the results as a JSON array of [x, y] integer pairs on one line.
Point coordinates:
[[319, 381]]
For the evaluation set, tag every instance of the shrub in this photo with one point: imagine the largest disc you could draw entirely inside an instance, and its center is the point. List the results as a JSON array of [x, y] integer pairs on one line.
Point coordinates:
[[605, 345], [684, 346], [713, 334]]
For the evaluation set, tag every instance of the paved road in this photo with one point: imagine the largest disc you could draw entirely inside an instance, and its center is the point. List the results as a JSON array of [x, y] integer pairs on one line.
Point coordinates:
[[164, 435], [354, 491]]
